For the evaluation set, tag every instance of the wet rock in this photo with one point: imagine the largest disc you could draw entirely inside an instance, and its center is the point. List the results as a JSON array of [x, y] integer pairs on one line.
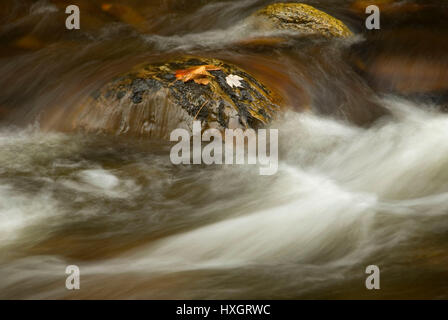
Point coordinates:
[[299, 17], [151, 102]]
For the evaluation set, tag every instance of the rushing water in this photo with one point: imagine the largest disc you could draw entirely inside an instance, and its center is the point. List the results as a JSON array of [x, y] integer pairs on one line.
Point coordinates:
[[362, 179]]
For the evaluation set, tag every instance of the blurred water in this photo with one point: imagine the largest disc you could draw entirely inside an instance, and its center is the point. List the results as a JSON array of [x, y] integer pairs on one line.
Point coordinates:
[[345, 196]]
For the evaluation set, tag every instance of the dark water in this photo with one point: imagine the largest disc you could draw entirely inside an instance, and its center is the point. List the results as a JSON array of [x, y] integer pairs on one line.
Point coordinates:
[[362, 177]]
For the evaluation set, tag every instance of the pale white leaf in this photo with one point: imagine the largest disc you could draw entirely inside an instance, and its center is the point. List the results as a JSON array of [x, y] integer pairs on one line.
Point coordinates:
[[234, 81]]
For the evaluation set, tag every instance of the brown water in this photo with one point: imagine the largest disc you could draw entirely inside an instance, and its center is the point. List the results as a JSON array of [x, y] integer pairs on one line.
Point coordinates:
[[363, 178]]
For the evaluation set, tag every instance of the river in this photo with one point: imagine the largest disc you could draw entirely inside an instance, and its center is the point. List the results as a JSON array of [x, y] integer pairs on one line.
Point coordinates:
[[362, 177]]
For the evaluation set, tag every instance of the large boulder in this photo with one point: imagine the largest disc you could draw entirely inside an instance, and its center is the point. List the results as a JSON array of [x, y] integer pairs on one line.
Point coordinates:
[[299, 17], [151, 101]]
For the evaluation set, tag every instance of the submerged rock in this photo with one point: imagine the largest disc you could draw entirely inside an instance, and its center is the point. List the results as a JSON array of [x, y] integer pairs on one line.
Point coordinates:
[[151, 102], [299, 17]]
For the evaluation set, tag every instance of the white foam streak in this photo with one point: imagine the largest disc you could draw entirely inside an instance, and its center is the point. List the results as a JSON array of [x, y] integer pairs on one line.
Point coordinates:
[[341, 194]]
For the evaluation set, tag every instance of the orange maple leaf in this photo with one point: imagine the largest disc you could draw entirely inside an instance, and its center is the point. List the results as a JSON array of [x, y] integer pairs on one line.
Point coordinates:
[[198, 74]]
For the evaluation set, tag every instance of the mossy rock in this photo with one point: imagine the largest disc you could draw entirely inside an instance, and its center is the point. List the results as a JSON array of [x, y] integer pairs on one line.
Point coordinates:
[[299, 17], [151, 102]]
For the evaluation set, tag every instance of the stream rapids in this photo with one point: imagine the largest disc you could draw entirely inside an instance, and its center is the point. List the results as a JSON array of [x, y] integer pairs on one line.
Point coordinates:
[[362, 176]]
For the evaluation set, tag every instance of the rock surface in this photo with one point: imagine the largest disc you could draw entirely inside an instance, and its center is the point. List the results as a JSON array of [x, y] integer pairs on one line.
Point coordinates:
[[151, 102], [299, 17]]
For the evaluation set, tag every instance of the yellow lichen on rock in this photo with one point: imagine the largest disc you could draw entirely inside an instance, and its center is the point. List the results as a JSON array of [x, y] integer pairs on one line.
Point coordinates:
[[300, 17]]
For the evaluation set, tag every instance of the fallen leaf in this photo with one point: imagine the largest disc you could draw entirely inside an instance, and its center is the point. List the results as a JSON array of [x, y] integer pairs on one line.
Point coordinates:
[[192, 73], [211, 67], [198, 74], [234, 81], [203, 81]]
